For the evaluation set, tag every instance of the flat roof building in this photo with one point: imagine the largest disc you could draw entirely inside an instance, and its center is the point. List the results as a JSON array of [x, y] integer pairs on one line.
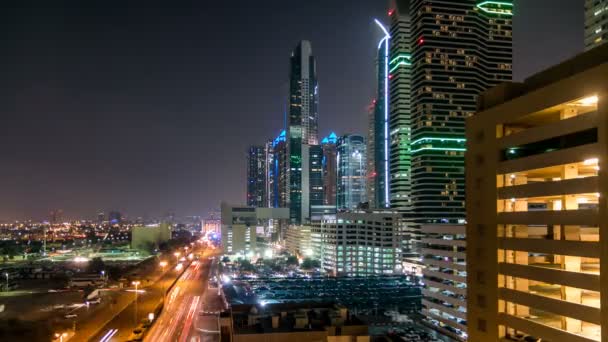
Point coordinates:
[[357, 243], [537, 217], [242, 226]]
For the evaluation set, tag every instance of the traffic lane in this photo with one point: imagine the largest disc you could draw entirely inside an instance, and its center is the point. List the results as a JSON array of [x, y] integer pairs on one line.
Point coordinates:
[[181, 322], [88, 330], [125, 322], [178, 319], [176, 308]]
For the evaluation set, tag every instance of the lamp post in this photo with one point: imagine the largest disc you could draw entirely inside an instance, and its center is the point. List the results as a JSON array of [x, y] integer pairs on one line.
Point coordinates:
[[6, 275], [136, 283]]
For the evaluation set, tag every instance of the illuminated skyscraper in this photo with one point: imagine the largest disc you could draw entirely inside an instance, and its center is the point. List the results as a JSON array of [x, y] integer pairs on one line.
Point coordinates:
[[449, 52], [280, 174], [302, 127], [381, 144], [329, 169], [596, 23], [455, 50], [256, 176], [400, 85], [352, 153]]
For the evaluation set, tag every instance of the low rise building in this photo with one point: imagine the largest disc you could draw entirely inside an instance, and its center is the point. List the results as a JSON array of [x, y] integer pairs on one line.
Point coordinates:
[[357, 243], [293, 323], [243, 226], [298, 241]]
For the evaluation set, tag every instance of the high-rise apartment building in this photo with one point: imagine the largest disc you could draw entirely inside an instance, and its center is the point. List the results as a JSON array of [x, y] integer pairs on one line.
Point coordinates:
[[330, 167], [302, 124], [352, 175], [596, 23], [257, 195], [400, 87], [537, 216], [446, 53]]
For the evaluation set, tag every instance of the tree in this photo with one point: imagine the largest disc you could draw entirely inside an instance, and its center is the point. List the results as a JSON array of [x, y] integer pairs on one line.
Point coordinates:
[[246, 265], [291, 261], [309, 264], [96, 265]]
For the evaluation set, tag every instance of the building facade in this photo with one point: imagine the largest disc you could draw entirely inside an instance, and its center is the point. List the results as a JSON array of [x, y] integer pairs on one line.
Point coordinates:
[[400, 85], [302, 124], [537, 216], [330, 168], [448, 52], [257, 163], [444, 300], [596, 23], [352, 175], [381, 118], [342, 243], [280, 174], [245, 229]]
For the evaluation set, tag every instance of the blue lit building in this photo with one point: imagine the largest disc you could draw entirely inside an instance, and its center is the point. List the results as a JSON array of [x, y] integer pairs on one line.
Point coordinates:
[[330, 176], [351, 161]]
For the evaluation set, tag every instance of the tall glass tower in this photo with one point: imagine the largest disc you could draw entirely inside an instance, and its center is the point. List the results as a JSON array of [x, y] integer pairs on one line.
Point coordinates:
[[302, 127], [381, 144], [596, 23], [456, 50], [329, 169], [351, 159], [257, 195], [400, 80]]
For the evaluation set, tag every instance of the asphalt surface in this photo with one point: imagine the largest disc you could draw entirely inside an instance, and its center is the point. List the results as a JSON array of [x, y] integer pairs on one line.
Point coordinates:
[[128, 314], [190, 308]]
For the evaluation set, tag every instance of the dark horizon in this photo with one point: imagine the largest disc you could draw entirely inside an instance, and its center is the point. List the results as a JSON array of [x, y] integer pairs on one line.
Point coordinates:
[[148, 109]]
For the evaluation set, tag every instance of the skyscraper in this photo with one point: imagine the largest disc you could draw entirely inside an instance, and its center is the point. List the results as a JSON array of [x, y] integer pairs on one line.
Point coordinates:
[[256, 176], [400, 80], [455, 50], [280, 172], [302, 127], [381, 144], [330, 168], [596, 23], [352, 153]]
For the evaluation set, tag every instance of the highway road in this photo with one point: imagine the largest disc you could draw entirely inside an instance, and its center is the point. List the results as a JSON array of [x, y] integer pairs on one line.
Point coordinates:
[[183, 318], [120, 327]]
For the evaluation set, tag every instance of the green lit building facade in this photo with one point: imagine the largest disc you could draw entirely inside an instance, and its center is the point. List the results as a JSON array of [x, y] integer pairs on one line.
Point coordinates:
[[457, 49]]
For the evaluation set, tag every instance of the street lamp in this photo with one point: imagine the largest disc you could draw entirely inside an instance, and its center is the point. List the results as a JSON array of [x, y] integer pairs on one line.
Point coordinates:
[[6, 275], [136, 283]]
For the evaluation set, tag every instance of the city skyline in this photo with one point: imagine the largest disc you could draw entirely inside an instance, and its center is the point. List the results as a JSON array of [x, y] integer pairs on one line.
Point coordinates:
[[145, 154]]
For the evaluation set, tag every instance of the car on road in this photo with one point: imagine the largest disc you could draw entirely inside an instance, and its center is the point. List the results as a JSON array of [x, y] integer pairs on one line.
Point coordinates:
[[136, 335]]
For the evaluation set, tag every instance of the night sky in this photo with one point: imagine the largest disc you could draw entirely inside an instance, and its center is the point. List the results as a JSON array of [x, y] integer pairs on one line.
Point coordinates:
[[144, 108]]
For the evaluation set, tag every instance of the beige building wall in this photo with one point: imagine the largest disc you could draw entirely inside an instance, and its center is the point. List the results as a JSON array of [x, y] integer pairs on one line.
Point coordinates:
[[536, 185]]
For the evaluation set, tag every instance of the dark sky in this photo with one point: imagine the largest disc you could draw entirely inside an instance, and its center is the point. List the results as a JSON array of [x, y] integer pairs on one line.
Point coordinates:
[[148, 106]]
